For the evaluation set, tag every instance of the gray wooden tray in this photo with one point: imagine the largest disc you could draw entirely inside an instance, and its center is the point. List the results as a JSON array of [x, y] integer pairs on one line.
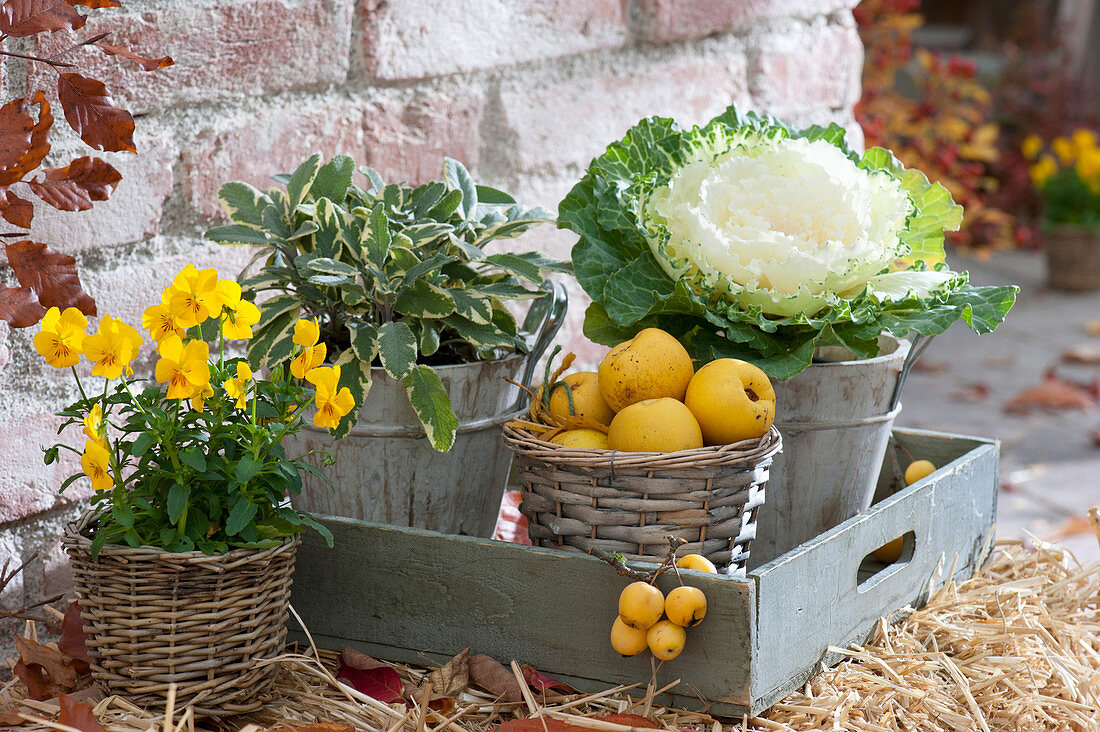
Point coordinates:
[[415, 596]]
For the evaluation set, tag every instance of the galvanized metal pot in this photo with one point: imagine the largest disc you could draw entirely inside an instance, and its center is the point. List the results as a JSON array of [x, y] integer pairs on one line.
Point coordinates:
[[386, 471], [835, 419]]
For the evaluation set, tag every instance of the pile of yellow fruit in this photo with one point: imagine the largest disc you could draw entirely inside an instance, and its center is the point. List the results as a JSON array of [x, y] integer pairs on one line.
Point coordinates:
[[640, 624], [647, 397]]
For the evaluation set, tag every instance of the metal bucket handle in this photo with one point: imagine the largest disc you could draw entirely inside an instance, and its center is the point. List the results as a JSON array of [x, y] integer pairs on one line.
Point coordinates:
[[919, 344], [543, 321]]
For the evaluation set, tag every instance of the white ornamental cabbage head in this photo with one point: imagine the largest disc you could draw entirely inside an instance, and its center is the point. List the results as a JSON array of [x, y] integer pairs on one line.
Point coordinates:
[[781, 224]]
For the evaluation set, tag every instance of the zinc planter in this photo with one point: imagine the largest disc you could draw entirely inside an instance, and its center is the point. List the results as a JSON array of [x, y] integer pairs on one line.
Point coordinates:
[[386, 470], [836, 419], [206, 623]]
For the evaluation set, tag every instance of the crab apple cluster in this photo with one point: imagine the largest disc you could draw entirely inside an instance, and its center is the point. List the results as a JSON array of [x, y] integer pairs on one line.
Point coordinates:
[[649, 619]]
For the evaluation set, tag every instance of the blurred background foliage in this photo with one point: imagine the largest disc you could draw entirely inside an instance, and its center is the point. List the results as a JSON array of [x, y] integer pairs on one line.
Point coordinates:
[[955, 88]]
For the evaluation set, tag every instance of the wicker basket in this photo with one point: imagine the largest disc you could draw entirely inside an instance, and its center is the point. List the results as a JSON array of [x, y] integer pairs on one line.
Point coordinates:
[[577, 499], [1073, 258], [203, 622]]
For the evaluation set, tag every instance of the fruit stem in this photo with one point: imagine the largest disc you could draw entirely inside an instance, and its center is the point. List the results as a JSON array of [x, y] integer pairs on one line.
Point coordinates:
[[669, 562]]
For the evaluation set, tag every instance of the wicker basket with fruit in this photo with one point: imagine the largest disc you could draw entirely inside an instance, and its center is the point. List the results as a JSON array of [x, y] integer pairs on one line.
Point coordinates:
[[647, 448]]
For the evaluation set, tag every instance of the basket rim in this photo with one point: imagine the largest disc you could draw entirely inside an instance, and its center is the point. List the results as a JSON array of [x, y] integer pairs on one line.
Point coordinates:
[[73, 536], [754, 450]]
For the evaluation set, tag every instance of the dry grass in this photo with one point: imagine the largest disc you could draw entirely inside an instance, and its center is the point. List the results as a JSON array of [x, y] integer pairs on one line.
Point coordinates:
[[1016, 647]]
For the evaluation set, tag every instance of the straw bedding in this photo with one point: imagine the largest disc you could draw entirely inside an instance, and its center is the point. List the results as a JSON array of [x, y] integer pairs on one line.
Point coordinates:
[[1016, 647]]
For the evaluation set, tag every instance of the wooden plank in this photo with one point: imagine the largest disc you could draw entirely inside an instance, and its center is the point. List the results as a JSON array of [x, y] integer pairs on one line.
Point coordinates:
[[401, 593], [813, 597]]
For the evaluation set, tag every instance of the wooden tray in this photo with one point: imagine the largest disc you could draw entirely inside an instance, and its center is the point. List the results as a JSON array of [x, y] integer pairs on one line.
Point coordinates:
[[418, 596]]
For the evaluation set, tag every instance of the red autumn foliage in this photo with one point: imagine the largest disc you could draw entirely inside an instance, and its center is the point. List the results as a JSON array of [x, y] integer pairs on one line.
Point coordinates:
[[47, 278], [540, 682], [370, 677]]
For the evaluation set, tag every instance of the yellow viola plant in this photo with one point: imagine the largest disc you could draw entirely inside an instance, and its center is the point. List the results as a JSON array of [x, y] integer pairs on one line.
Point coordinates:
[[192, 459], [1066, 173]]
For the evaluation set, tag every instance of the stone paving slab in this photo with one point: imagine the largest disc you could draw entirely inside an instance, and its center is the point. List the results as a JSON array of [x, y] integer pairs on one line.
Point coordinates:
[[1050, 463]]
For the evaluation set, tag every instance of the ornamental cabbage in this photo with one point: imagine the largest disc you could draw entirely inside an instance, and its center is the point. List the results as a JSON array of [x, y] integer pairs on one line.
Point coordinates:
[[745, 238]]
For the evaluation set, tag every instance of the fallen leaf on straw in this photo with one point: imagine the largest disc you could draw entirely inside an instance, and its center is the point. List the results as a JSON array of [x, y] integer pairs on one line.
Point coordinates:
[[78, 715], [539, 681], [375, 679], [72, 641], [491, 675]]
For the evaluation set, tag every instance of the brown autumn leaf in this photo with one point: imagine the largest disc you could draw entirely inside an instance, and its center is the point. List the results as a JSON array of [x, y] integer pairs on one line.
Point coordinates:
[[1053, 393], [357, 660], [491, 675], [94, 116], [452, 677], [148, 64], [51, 274], [1083, 353], [19, 307], [43, 670], [78, 184], [15, 210], [78, 715], [40, 142], [9, 717], [1072, 526], [96, 3], [972, 392], [1092, 327], [72, 641], [16, 125], [21, 18]]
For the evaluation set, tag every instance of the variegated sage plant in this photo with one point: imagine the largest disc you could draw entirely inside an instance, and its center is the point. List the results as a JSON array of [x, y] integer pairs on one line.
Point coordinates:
[[394, 275]]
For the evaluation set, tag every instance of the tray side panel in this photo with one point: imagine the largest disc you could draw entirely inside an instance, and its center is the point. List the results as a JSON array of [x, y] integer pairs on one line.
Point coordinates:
[[813, 597], [409, 595]]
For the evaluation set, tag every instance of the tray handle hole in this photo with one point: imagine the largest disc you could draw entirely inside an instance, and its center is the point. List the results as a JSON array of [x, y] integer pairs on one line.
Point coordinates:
[[884, 561]]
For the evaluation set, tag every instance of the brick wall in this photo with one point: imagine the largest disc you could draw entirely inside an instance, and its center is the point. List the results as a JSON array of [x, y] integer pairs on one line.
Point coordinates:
[[525, 92]]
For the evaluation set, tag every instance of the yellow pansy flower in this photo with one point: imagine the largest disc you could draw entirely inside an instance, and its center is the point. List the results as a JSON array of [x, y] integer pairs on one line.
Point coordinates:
[[193, 296], [159, 321], [1031, 146], [1064, 149], [1084, 140], [95, 428], [198, 399], [306, 333], [238, 388], [1088, 165], [96, 464], [183, 367], [332, 403], [238, 319], [309, 359], [112, 348], [61, 337], [1043, 170]]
